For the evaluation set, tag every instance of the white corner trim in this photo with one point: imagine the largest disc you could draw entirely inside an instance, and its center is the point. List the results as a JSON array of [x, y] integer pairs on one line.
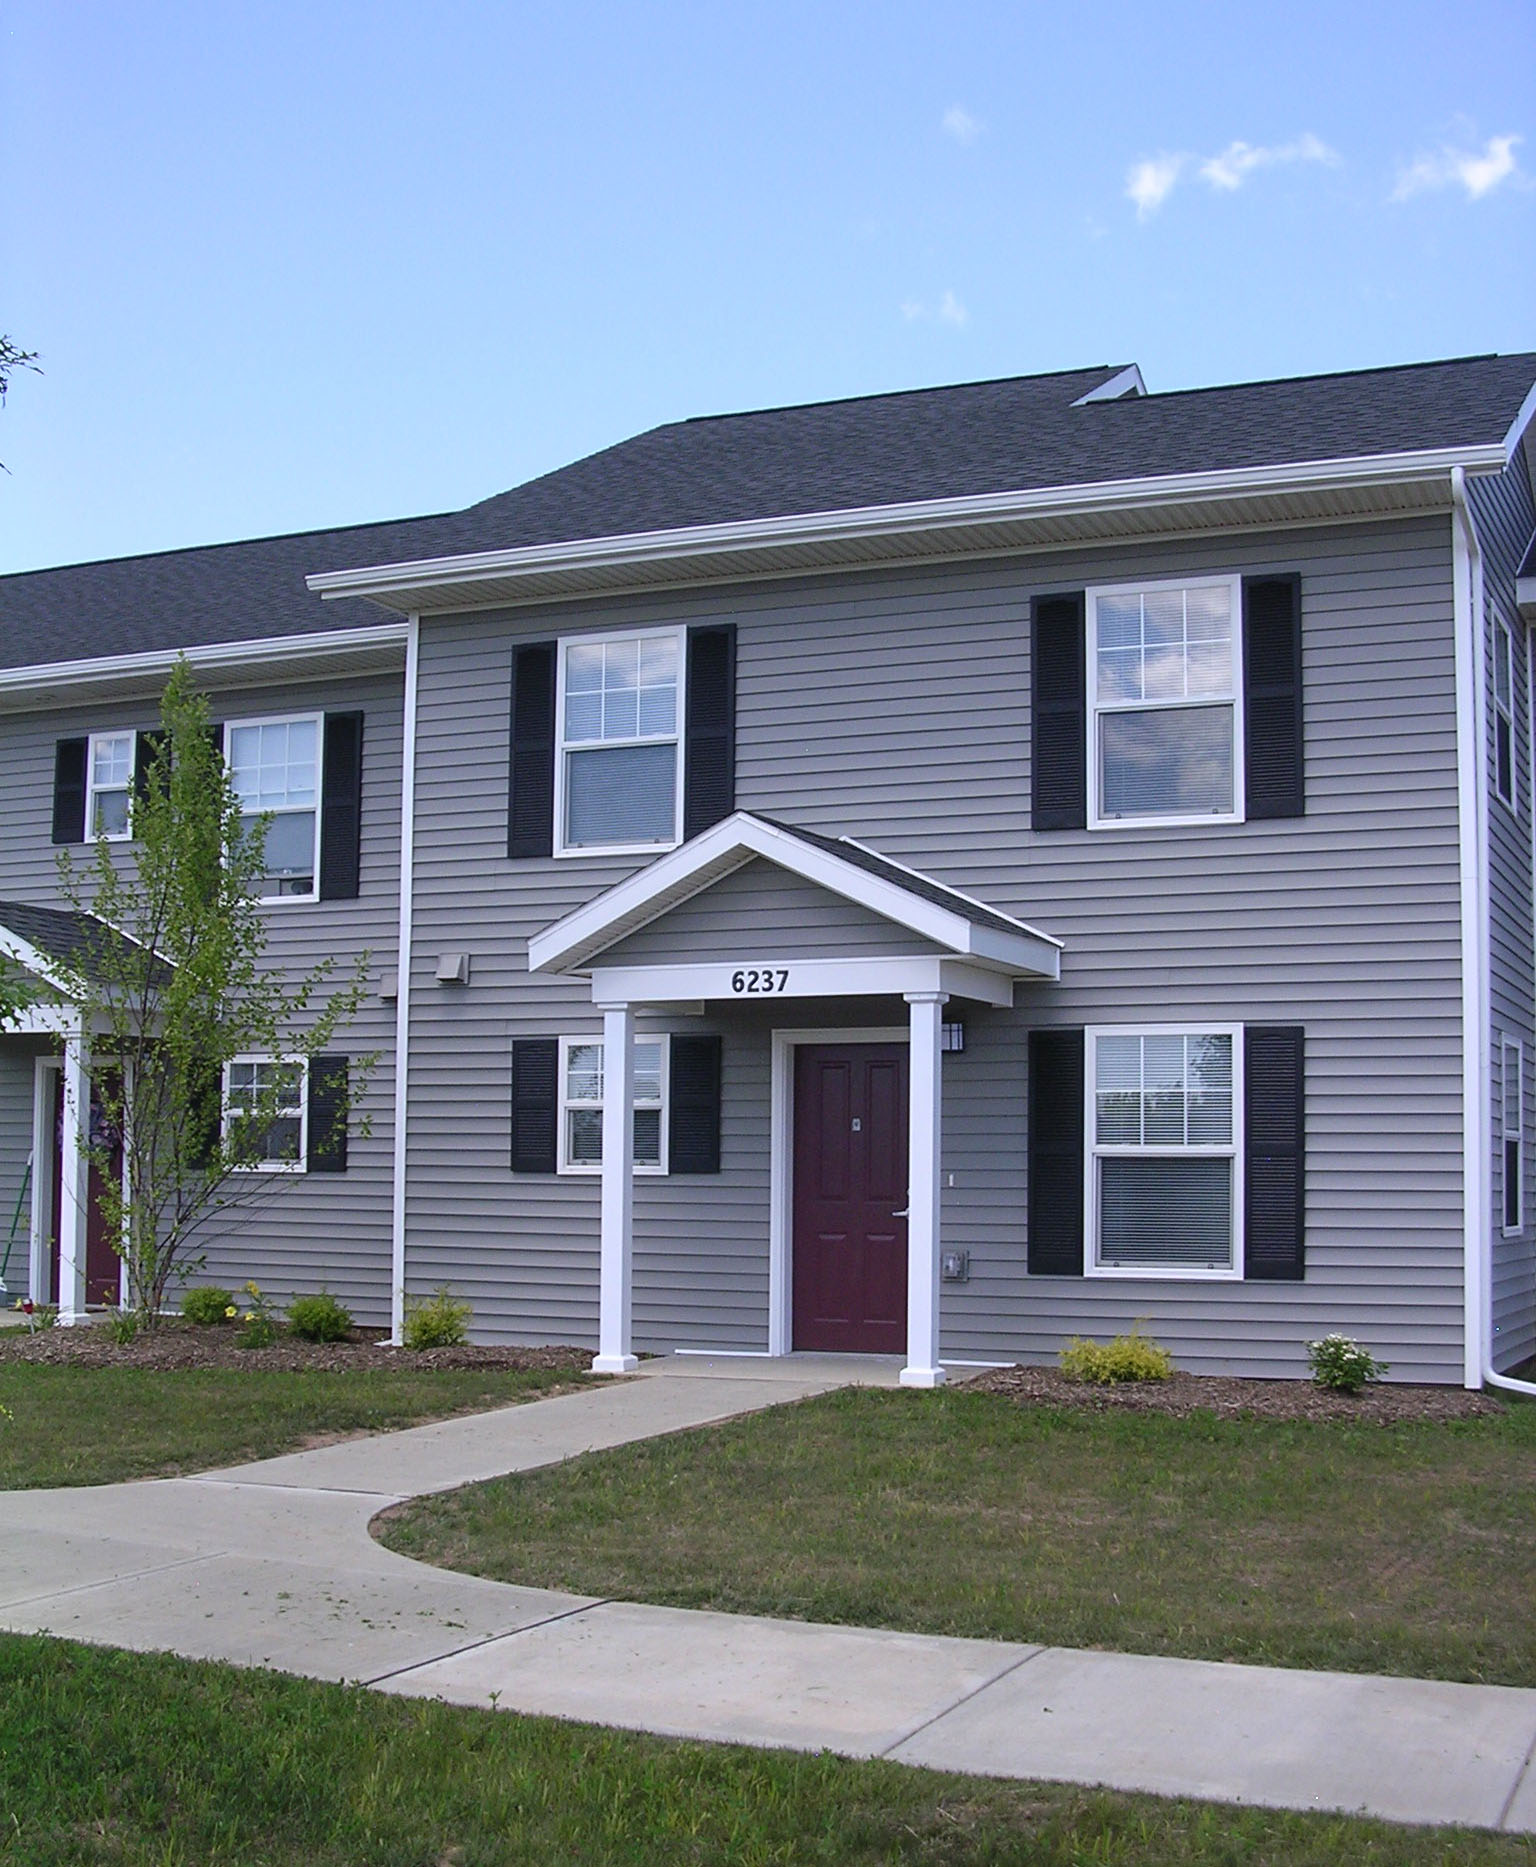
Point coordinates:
[[398, 1173], [1477, 1171], [573, 559], [729, 845], [264, 653], [1123, 383], [781, 1178]]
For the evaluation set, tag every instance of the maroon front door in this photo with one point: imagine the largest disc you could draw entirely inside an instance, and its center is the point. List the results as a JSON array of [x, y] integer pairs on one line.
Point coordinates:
[[102, 1266], [850, 1181]]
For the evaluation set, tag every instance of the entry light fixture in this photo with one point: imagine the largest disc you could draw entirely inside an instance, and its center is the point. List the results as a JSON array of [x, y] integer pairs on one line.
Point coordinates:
[[951, 1037]]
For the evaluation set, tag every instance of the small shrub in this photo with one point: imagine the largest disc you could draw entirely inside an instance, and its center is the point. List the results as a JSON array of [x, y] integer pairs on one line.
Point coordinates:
[[320, 1318], [1342, 1364], [208, 1304], [260, 1329], [1133, 1357], [122, 1325], [436, 1322]]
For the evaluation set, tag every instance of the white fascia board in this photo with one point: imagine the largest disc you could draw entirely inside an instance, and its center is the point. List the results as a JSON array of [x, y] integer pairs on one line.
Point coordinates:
[[265, 655], [885, 977], [32, 959], [1521, 422], [1525, 596], [666, 883], [43, 1021], [402, 585]]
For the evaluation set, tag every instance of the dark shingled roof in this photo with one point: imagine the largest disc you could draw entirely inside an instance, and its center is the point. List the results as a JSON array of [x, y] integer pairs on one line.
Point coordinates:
[[974, 438], [72, 938]]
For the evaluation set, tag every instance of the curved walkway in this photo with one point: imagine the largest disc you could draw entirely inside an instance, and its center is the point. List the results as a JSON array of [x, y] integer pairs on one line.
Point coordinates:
[[271, 1564]]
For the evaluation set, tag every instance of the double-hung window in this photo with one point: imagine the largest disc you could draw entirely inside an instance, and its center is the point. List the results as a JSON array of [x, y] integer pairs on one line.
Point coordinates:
[[618, 769], [1164, 1164], [1504, 710], [581, 1105], [109, 785], [266, 1114], [1512, 1126], [274, 765], [1166, 728]]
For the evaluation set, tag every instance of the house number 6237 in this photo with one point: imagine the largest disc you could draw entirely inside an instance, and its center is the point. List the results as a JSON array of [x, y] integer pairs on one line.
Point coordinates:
[[759, 979]]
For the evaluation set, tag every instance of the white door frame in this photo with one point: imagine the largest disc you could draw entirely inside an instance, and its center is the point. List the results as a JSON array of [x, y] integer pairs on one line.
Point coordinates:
[[781, 1171]]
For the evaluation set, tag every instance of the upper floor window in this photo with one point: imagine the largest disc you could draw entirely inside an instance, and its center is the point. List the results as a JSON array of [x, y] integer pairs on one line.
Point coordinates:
[[274, 765], [581, 1104], [1165, 727], [1504, 710], [1163, 1113], [618, 773], [109, 785]]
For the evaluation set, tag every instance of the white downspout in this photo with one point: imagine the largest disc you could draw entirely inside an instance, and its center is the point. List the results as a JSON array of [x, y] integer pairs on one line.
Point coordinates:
[[403, 982], [1472, 798]]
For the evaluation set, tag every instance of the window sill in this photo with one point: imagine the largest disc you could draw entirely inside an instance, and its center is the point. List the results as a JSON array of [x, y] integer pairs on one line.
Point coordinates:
[[596, 1173], [1164, 823], [618, 849], [1162, 1274]]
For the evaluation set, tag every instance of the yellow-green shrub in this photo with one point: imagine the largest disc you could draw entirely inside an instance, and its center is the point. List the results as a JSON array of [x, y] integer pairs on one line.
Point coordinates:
[[1133, 1357]]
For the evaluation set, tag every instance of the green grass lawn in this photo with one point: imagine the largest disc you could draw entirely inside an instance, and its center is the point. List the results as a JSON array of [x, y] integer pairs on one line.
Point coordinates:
[[1404, 1550], [146, 1761], [91, 1426]]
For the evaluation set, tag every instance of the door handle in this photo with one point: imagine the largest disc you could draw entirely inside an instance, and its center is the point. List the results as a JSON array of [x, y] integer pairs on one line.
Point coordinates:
[[906, 1212]]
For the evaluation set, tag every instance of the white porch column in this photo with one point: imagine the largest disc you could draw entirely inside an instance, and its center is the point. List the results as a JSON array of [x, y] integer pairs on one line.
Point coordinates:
[[924, 1117], [614, 1355], [74, 1180]]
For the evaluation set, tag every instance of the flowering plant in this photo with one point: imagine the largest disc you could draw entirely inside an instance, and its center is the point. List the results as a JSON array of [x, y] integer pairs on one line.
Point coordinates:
[[1343, 1364], [260, 1329]]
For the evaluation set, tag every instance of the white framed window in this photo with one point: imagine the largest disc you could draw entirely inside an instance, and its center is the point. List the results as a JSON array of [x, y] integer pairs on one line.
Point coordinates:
[[1504, 710], [581, 1104], [618, 757], [109, 786], [1512, 1131], [1166, 729], [274, 765], [272, 1092], [1164, 1159]]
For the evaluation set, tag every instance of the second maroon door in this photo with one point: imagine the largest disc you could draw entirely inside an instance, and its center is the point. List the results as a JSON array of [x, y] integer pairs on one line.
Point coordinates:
[[850, 1196]]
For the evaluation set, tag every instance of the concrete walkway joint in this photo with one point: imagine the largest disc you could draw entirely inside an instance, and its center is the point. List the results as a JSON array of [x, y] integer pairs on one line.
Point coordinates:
[[272, 1564]]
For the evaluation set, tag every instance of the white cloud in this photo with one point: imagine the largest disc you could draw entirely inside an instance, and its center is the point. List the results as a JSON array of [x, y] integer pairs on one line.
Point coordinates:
[[1479, 172], [949, 310], [1150, 182], [959, 123], [1238, 160]]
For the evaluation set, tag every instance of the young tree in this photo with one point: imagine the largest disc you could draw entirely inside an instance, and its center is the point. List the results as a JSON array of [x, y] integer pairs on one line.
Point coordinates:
[[176, 985], [15, 992]]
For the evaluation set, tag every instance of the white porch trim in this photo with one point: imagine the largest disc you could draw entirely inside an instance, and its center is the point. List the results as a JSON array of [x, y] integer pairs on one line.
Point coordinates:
[[885, 977], [925, 1133], [74, 1182], [615, 1301]]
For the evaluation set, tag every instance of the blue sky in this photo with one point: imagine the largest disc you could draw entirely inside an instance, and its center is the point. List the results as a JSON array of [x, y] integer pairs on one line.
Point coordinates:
[[300, 265]]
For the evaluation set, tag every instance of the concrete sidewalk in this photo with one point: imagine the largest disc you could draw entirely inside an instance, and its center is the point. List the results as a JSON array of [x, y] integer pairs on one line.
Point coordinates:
[[272, 1564]]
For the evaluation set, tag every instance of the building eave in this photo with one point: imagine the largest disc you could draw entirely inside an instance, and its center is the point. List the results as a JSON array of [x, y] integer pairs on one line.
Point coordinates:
[[1315, 492]]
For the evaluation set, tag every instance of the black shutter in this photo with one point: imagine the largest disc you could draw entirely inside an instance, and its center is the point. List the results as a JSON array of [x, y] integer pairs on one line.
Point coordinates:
[[146, 748], [328, 1105], [1274, 1153], [693, 1122], [205, 1113], [1272, 752], [1056, 1153], [341, 807], [709, 754], [535, 1103], [531, 775], [69, 757], [1058, 714]]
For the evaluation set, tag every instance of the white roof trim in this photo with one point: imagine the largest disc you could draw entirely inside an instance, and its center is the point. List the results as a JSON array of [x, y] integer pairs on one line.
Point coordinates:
[[265, 654], [696, 550], [1521, 422], [1525, 596], [1124, 382], [42, 965], [666, 883]]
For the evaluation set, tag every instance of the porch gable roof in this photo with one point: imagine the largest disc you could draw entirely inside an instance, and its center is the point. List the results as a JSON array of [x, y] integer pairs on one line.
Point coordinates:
[[60, 946], [935, 912]]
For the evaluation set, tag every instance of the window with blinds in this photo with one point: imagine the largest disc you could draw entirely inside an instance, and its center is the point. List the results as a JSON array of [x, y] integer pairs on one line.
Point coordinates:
[[1163, 1109]]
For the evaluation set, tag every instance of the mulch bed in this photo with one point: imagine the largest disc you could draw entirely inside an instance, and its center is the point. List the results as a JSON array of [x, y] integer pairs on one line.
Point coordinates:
[[1183, 1395], [186, 1345]]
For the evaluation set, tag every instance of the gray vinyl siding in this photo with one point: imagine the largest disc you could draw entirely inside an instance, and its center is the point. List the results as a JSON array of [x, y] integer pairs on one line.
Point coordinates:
[[296, 1232], [895, 707], [762, 909], [1506, 518]]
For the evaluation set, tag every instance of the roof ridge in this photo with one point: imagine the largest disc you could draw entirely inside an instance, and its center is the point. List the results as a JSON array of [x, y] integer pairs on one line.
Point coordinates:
[[1379, 369], [1107, 370]]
